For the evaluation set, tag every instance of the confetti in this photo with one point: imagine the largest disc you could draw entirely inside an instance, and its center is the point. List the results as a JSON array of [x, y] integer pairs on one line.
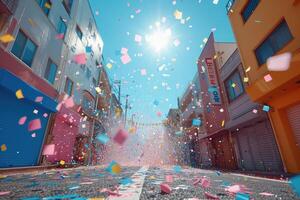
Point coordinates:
[[80, 59], [268, 78], [248, 69], [103, 138], [266, 108], [60, 36], [33, 135], [49, 149], [242, 196], [120, 137], [138, 38], [223, 123], [178, 15], [124, 51], [266, 194], [295, 184], [177, 169], [211, 196], [165, 188], [116, 169], [19, 94], [38, 99], [47, 5], [22, 120], [98, 90], [279, 62], [126, 181], [4, 193], [215, 2], [109, 65], [169, 178], [176, 43], [143, 72], [62, 162], [69, 102], [34, 125], [3, 147], [6, 38], [125, 59], [196, 122], [246, 79], [233, 85]]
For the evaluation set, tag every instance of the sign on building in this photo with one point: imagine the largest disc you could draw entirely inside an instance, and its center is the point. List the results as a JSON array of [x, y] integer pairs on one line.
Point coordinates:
[[212, 82]]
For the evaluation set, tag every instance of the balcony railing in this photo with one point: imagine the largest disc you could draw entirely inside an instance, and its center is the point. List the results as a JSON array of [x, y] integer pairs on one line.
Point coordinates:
[[10, 4], [229, 5]]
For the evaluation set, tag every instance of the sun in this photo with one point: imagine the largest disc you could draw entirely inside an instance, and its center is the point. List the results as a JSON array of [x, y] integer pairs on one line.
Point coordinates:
[[159, 39]]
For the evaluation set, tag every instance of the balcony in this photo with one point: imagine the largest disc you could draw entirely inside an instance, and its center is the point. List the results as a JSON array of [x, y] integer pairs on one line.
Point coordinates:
[[229, 5], [8, 5]]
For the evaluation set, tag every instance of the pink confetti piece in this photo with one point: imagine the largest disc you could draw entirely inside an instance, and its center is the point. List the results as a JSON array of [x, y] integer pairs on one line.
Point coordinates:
[[268, 78], [124, 50], [69, 102], [45, 115], [138, 38], [236, 188], [80, 58], [60, 36], [49, 149], [211, 196], [159, 114], [125, 59], [137, 11], [143, 72], [38, 99], [205, 183], [165, 188], [34, 125], [280, 62], [196, 181], [266, 194], [4, 193], [176, 43], [169, 178], [120, 137], [22, 120]]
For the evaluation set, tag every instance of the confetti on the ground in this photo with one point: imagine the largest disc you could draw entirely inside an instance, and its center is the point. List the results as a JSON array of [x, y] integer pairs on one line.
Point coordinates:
[[295, 184], [165, 188]]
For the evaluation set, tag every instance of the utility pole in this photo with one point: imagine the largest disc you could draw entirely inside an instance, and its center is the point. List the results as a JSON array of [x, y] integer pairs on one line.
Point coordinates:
[[118, 82], [126, 107]]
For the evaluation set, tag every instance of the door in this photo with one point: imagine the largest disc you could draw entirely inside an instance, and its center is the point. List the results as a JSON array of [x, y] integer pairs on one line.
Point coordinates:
[[293, 114], [246, 161]]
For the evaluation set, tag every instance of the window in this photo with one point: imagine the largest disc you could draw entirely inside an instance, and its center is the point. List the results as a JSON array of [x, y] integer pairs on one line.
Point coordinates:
[[50, 72], [249, 8], [69, 86], [90, 26], [68, 5], [234, 86], [274, 42], [61, 26], [24, 48], [45, 5], [79, 32], [88, 73]]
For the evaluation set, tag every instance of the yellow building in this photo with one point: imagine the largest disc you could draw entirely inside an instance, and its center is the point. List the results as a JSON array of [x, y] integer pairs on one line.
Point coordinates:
[[265, 28]]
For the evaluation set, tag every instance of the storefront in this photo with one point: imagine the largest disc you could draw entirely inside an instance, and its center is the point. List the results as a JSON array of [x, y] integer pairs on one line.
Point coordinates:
[[256, 147], [64, 132], [24, 116]]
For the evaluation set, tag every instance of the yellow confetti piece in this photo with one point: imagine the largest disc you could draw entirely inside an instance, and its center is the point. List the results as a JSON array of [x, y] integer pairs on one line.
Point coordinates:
[[248, 69], [178, 14], [109, 65], [62, 162], [132, 130], [19, 94], [152, 177], [223, 123], [116, 169], [246, 79], [47, 5], [3, 147], [98, 89], [31, 22], [233, 85], [97, 198], [6, 38]]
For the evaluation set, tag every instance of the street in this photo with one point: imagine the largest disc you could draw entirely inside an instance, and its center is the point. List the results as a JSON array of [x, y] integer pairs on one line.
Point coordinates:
[[95, 182]]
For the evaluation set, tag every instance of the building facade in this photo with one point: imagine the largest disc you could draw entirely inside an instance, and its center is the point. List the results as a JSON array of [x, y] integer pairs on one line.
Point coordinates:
[[217, 148], [274, 28], [250, 129]]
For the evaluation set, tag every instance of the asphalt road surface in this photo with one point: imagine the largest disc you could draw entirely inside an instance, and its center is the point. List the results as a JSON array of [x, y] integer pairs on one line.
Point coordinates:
[[140, 183]]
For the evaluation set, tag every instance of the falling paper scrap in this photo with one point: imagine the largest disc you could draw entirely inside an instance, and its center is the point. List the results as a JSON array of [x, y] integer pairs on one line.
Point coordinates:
[[3, 147], [34, 125], [120, 137], [280, 62], [125, 59], [103, 138], [6, 38], [22, 120], [165, 188], [268, 78], [80, 59], [49, 149], [19, 94], [178, 15]]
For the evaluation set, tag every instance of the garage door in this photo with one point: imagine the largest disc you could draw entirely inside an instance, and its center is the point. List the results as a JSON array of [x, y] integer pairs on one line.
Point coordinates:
[[293, 114]]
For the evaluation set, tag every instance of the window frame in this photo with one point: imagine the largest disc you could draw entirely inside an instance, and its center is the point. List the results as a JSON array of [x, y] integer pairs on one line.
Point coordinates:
[[235, 71], [66, 86], [23, 49], [48, 71], [42, 6], [59, 27], [68, 8], [267, 39], [245, 7], [80, 31]]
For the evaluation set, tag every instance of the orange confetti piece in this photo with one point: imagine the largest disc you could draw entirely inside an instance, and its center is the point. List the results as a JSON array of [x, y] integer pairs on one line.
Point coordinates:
[[19, 94], [6, 38], [3, 147]]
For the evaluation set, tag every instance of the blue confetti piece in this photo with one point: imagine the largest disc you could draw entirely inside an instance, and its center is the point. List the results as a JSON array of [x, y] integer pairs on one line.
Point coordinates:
[[179, 133], [156, 102], [103, 138], [266, 108], [196, 122], [295, 184], [88, 49], [31, 198], [67, 196], [126, 181], [109, 168], [218, 173], [242, 196], [177, 169]]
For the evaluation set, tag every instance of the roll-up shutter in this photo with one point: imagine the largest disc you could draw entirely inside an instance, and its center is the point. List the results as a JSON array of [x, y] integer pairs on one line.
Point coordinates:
[[293, 114]]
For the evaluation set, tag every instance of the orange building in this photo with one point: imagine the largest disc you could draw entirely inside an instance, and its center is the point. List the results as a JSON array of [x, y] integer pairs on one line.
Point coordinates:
[[264, 29]]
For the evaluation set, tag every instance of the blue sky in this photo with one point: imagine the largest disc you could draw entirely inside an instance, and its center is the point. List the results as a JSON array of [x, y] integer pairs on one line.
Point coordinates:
[[168, 71]]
